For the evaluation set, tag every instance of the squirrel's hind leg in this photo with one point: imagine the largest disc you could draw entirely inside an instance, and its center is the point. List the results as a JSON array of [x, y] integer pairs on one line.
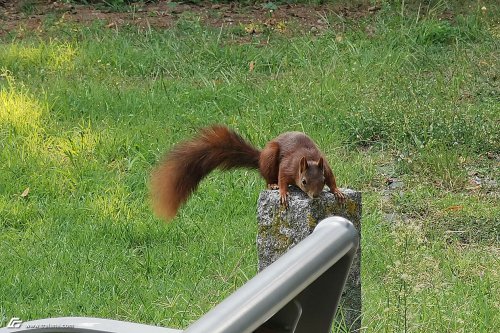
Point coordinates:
[[269, 164]]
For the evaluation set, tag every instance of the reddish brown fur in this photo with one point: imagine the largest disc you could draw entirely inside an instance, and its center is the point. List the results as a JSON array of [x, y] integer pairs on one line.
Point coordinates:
[[293, 147], [218, 147], [189, 162]]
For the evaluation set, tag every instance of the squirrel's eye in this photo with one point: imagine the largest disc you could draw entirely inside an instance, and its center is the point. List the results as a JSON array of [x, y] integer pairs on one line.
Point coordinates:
[[304, 182]]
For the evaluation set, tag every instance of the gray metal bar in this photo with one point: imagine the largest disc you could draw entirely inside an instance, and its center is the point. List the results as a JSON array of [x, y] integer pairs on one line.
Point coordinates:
[[298, 293], [264, 295]]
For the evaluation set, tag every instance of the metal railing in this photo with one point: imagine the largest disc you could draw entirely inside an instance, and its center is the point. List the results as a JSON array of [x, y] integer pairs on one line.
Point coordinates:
[[298, 293]]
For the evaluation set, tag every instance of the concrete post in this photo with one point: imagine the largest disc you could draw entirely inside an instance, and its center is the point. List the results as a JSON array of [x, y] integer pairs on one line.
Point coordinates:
[[280, 229]]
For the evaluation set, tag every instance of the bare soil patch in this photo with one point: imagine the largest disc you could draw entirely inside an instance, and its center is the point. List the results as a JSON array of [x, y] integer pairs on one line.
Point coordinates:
[[165, 14]]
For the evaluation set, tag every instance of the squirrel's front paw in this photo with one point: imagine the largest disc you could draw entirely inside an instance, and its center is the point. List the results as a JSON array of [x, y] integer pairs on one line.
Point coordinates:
[[339, 196], [284, 199]]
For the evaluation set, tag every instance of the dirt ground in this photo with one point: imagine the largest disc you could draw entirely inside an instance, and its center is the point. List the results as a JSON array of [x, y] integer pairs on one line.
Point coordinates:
[[30, 14]]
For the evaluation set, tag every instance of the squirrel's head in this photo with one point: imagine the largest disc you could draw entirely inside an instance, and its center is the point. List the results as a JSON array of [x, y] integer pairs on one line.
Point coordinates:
[[311, 177]]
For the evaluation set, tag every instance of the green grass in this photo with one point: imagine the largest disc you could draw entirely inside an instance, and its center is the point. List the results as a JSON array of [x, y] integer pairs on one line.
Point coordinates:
[[86, 112]]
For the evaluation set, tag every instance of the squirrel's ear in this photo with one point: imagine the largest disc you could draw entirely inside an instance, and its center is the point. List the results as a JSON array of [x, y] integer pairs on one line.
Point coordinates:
[[321, 164], [303, 164]]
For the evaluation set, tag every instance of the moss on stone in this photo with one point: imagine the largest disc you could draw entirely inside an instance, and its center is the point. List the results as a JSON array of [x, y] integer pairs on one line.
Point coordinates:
[[352, 207], [311, 222], [283, 242]]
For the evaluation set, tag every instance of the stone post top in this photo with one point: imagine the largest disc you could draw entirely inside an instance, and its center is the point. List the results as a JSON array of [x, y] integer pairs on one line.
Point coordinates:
[[301, 207], [295, 191]]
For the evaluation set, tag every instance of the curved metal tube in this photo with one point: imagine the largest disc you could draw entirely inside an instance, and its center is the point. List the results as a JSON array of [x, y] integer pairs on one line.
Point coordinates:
[[298, 293]]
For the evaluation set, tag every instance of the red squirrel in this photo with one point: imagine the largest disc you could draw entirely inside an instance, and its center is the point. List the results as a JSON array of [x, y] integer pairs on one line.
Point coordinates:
[[292, 158]]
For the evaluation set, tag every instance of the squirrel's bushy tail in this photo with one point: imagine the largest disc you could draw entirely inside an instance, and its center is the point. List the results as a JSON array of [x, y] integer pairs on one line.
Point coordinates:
[[190, 161]]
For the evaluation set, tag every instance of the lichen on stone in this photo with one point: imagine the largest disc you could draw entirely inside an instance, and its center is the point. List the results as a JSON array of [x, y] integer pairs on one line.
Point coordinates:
[[311, 222], [280, 229]]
